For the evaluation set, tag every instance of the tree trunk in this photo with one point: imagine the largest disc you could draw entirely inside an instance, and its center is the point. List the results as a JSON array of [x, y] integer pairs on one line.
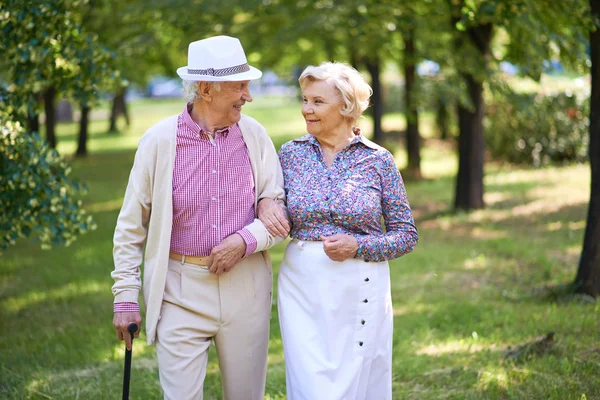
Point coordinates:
[[588, 275], [119, 106], [413, 139], [373, 68], [469, 180], [83, 131], [33, 121], [50, 110], [442, 116]]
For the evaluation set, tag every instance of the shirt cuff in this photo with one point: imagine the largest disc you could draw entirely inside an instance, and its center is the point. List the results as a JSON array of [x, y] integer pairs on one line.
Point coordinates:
[[126, 307], [250, 241]]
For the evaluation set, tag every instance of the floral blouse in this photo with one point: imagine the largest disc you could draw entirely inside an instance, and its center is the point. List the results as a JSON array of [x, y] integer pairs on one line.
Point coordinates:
[[361, 187]]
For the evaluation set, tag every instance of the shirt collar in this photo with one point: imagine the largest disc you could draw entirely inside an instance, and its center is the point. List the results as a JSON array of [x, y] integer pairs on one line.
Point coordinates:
[[358, 138], [194, 127]]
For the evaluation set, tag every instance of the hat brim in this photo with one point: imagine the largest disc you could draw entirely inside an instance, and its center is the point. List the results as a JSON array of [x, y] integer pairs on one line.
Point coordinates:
[[254, 73]]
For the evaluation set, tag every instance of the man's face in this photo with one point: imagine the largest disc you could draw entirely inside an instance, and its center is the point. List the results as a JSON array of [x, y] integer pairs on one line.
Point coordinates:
[[226, 105]]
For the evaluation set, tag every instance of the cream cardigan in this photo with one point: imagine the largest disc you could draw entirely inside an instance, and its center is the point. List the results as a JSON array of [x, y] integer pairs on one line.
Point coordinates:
[[146, 216]]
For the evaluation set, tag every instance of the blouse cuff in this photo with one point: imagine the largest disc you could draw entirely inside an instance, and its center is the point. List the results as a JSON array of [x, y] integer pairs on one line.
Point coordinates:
[[362, 247]]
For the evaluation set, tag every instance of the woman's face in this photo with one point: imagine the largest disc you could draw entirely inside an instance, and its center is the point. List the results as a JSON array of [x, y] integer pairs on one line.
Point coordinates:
[[321, 108]]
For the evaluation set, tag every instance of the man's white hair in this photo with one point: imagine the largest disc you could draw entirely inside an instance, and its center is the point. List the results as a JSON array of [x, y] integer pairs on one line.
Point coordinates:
[[190, 90]]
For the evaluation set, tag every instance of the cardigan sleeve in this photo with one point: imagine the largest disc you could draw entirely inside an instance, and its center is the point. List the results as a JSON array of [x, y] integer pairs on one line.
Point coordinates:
[[269, 181], [131, 230]]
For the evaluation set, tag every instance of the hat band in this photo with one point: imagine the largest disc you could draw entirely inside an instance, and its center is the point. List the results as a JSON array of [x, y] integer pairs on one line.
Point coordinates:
[[220, 72]]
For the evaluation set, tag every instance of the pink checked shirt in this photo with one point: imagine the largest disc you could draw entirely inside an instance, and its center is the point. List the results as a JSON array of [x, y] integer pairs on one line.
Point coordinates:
[[213, 188], [213, 191]]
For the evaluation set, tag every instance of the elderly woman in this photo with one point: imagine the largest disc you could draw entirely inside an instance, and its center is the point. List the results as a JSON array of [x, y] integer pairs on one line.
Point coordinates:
[[334, 296]]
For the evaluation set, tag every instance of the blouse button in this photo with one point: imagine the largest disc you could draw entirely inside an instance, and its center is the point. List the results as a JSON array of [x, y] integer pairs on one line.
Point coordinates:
[[362, 321], [366, 279], [360, 343], [365, 301]]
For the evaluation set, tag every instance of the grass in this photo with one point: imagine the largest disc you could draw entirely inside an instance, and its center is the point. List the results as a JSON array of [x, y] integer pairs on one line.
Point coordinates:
[[476, 284]]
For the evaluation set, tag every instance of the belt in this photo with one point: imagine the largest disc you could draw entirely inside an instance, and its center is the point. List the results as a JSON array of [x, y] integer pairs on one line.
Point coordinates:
[[202, 261]]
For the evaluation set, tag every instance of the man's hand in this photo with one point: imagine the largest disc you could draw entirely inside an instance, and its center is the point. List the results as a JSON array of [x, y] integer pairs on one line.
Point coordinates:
[[227, 254], [121, 321], [274, 217], [340, 246]]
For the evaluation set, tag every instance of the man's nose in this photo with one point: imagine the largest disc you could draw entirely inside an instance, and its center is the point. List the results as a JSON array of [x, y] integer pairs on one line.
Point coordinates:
[[247, 96]]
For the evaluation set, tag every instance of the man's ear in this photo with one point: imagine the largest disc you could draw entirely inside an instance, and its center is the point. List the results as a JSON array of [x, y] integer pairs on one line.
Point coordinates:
[[205, 91]]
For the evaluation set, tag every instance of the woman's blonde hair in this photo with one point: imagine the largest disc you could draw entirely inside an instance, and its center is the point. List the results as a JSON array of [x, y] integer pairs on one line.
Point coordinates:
[[354, 90]]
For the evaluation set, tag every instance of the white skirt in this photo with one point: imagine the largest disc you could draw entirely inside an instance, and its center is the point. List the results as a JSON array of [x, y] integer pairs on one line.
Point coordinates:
[[336, 325]]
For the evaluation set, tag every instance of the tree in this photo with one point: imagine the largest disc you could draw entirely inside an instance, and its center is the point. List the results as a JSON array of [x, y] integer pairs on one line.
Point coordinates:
[[43, 49], [359, 32], [408, 28], [41, 44], [469, 181], [588, 275], [94, 71], [145, 41], [537, 30], [37, 196]]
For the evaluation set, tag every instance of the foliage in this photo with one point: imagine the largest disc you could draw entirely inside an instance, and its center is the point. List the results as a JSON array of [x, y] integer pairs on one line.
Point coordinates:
[[527, 33], [538, 129], [44, 45], [37, 195], [142, 39]]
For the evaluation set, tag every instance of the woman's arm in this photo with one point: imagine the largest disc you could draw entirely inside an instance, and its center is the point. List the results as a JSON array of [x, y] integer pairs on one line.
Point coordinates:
[[401, 235]]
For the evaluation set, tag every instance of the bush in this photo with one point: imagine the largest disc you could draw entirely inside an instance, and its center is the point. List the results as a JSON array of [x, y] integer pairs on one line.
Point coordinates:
[[538, 129], [37, 196]]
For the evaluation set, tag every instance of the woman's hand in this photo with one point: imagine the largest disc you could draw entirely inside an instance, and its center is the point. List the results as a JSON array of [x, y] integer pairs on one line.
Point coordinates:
[[274, 216], [340, 246]]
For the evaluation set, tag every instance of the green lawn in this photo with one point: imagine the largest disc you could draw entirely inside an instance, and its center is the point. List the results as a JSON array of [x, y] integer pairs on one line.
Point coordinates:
[[476, 284]]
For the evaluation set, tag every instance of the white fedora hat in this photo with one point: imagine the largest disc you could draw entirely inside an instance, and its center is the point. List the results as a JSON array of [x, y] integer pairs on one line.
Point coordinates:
[[217, 59]]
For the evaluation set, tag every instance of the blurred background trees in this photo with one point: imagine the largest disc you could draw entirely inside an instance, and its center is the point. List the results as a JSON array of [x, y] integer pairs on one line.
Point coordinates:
[[454, 60]]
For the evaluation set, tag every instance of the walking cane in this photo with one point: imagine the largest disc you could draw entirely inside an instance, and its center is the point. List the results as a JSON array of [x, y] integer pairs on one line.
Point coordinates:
[[132, 328]]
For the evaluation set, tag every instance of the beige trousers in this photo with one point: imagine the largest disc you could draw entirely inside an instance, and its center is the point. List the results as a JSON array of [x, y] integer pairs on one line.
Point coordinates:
[[232, 309]]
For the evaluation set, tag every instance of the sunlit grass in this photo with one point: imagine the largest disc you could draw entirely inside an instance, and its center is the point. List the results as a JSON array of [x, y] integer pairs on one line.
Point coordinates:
[[471, 288]]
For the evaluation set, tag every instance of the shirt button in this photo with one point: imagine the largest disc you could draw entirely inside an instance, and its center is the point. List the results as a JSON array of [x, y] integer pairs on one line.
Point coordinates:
[[360, 343], [365, 301], [366, 279], [214, 171], [362, 321], [214, 227], [214, 198]]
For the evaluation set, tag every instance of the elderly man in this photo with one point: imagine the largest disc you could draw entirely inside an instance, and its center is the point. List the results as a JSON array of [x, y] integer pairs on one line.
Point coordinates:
[[192, 200]]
